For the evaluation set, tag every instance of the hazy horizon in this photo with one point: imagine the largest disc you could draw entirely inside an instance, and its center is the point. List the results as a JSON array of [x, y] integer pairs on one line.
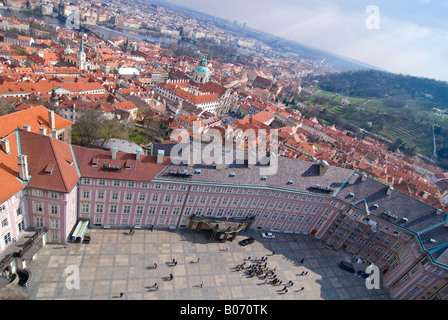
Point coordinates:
[[407, 37]]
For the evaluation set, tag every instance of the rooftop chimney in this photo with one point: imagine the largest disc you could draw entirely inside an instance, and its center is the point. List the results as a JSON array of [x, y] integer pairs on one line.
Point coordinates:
[[51, 120], [27, 127], [43, 131], [218, 163], [353, 178], [22, 163], [251, 158], [114, 153], [191, 157], [5, 146], [389, 190], [160, 155], [323, 167], [138, 155]]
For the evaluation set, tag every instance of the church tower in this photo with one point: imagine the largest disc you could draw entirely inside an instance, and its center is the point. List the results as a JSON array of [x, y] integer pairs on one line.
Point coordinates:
[[61, 8], [54, 100], [81, 56], [202, 73]]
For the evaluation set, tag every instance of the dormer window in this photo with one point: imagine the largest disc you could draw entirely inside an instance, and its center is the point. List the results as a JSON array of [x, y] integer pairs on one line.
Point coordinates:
[[49, 168]]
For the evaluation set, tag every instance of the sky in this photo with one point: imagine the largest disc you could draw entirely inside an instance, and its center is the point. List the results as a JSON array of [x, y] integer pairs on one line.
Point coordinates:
[[408, 37]]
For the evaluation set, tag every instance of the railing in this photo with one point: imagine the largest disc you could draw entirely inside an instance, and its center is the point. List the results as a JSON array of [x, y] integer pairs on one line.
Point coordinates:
[[26, 246]]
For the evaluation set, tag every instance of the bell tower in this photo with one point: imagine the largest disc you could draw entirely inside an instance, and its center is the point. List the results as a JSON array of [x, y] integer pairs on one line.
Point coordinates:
[[81, 56]]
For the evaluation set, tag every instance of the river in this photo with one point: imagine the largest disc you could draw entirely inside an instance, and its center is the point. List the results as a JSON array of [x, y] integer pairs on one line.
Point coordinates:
[[99, 30], [25, 15]]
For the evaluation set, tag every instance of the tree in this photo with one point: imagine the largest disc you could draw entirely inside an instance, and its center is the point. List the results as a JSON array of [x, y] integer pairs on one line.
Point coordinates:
[[397, 145], [144, 115], [87, 128], [5, 107], [111, 129], [19, 52]]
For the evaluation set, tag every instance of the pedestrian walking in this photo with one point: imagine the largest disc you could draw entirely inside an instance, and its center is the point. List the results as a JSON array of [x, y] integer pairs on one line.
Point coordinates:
[[155, 265], [171, 276], [302, 261], [121, 294], [198, 260], [201, 285]]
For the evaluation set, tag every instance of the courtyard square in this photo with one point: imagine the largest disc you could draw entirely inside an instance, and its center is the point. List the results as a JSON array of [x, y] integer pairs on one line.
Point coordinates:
[[115, 261]]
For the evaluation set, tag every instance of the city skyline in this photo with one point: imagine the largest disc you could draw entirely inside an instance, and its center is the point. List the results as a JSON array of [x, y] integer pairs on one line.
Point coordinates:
[[410, 37]]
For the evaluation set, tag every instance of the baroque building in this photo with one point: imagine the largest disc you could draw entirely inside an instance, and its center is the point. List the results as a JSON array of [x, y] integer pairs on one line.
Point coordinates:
[[52, 186]]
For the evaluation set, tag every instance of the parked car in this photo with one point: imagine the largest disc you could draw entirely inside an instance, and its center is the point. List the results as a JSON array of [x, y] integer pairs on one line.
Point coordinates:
[[363, 274], [268, 235], [347, 266], [246, 241]]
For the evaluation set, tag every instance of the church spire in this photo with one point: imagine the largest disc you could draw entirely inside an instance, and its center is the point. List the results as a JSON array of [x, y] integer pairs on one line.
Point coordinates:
[[81, 55], [81, 47]]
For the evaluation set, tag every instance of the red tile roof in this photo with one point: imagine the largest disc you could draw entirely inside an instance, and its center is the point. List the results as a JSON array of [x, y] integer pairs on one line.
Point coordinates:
[[9, 184], [144, 170], [126, 105], [44, 150], [34, 117]]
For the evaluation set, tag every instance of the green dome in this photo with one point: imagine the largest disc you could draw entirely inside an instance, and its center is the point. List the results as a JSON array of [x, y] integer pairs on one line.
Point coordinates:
[[202, 67], [68, 50]]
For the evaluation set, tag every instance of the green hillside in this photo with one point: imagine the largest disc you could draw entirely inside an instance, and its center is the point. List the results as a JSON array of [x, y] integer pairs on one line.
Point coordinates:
[[398, 107]]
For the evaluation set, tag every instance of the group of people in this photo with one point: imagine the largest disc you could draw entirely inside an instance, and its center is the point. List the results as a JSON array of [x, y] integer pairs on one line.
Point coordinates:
[[260, 269]]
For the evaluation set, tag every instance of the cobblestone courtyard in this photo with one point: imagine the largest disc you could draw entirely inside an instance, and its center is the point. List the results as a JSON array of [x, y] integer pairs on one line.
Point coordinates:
[[115, 261]]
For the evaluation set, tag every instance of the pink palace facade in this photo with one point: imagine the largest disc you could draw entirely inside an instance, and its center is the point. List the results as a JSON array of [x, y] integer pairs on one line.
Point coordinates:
[[56, 185]]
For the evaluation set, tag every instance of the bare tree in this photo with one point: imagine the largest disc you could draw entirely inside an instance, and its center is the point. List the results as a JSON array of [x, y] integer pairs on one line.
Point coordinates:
[[87, 128], [5, 107], [112, 129]]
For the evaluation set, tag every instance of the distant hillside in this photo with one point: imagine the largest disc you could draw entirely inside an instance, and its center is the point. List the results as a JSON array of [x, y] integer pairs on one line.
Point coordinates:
[[409, 111], [379, 84]]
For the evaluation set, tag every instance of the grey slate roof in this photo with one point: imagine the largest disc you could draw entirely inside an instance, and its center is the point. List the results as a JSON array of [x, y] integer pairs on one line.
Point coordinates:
[[304, 174], [419, 215], [366, 194]]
